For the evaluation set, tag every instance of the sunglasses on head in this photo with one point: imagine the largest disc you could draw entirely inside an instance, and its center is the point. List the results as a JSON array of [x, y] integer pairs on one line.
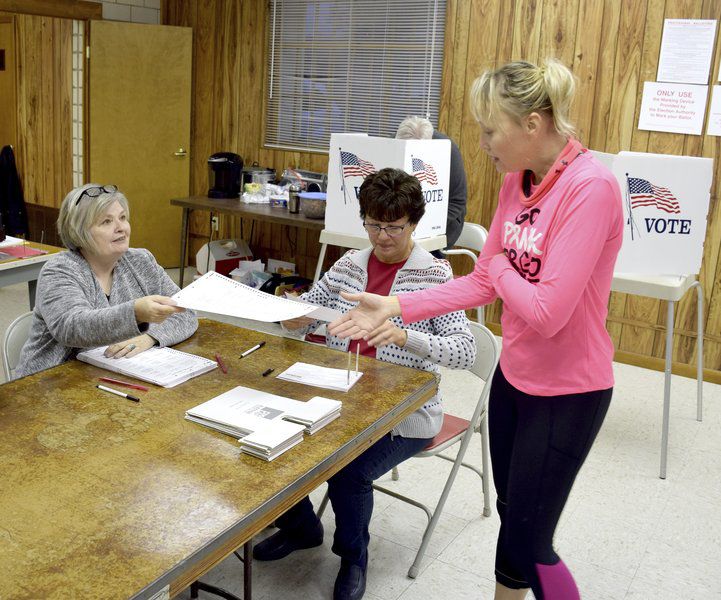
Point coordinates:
[[95, 191]]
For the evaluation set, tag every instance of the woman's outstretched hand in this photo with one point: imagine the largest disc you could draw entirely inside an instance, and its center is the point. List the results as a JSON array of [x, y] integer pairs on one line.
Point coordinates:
[[372, 311], [155, 309]]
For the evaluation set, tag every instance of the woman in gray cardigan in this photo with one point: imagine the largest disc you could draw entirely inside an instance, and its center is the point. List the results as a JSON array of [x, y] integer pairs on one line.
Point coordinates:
[[391, 205], [100, 292]]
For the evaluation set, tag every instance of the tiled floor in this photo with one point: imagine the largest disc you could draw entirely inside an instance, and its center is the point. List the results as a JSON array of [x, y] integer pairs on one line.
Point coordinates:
[[625, 533]]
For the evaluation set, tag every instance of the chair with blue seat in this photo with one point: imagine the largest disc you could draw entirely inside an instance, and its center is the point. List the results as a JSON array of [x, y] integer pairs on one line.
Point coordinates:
[[456, 430]]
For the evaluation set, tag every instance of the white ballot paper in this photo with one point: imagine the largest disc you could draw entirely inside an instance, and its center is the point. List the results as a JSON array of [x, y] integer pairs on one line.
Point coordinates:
[[321, 313], [217, 294], [325, 377], [11, 241]]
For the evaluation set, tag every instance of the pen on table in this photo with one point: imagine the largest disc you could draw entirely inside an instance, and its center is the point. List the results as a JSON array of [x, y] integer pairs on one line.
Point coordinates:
[[134, 386], [253, 349], [118, 393], [357, 352], [221, 364], [267, 372]]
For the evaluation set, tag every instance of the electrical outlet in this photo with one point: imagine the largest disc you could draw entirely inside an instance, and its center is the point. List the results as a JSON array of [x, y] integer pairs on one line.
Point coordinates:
[[214, 222]]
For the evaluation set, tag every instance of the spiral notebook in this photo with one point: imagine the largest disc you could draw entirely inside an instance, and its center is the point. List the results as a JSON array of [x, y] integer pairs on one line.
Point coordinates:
[[161, 366]]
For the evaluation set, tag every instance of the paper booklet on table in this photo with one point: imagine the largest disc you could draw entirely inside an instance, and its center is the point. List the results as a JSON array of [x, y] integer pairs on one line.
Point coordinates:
[[264, 422], [166, 367], [325, 377]]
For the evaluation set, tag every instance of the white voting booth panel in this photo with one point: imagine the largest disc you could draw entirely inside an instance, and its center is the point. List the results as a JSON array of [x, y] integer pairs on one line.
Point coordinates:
[[665, 204], [352, 157]]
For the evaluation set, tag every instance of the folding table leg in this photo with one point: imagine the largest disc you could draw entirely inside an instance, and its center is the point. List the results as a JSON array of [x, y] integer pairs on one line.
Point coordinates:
[[699, 352], [667, 389]]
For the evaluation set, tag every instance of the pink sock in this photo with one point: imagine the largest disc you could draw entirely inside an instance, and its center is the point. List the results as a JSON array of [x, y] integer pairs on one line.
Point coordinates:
[[557, 582]]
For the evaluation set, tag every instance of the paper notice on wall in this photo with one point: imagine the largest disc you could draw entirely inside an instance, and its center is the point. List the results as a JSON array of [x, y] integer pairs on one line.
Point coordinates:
[[686, 50], [714, 115], [673, 107]]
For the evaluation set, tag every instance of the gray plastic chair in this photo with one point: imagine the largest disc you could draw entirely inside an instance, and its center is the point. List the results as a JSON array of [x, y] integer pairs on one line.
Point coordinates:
[[15, 337], [472, 236], [456, 430]]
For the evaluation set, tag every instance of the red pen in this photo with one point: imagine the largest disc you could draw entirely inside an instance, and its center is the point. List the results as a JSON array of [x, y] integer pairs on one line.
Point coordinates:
[[134, 386], [221, 364]]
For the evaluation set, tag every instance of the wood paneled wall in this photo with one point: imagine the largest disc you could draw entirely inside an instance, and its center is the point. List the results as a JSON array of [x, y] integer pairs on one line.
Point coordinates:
[[44, 107], [612, 46]]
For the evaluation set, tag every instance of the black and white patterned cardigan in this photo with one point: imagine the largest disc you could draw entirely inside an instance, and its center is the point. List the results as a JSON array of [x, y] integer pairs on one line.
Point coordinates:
[[445, 340]]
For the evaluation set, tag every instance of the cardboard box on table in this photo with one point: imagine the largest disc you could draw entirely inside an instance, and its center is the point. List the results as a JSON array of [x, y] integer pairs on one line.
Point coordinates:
[[352, 157]]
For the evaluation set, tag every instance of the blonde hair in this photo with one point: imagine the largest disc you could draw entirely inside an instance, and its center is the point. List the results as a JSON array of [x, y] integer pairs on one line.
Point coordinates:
[[521, 88], [78, 215], [415, 128]]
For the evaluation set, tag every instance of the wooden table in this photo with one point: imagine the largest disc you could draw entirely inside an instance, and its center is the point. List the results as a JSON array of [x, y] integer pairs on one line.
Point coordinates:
[[104, 498], [20, 270], [234, 206]]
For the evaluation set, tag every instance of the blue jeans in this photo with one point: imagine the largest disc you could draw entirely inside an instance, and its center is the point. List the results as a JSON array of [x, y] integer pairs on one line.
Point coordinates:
[[351, 494]]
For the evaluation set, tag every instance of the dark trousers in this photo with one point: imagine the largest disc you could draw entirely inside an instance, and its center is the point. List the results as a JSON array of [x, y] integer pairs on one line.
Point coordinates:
[[351, 494], [538, 444]]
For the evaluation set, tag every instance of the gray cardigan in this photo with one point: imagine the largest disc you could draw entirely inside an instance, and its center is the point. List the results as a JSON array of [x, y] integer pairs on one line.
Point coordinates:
[[445, 340], [72, 311]]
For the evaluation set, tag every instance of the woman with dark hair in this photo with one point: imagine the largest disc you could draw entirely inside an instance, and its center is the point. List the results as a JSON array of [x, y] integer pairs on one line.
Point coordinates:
[[391, 205]]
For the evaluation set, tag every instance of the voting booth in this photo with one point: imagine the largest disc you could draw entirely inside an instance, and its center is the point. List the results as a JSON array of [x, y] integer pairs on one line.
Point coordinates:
[[352, 157], [665, 207]]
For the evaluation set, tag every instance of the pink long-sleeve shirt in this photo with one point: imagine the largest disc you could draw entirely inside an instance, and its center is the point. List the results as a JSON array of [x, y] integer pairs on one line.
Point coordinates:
[[552, 265]]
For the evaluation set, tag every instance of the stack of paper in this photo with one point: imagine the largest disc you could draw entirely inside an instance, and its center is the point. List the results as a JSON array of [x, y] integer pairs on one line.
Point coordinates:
[[162, 366], [332, 379], [272, 441], [266, 424], [217, 294], [313, 415]]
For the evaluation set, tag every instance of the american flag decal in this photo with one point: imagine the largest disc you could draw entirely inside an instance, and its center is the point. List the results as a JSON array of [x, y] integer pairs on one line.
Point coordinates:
[[644, 193], [355, 166], [424, 172]]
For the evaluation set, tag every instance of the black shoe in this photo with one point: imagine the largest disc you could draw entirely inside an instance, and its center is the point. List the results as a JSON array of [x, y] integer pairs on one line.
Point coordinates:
[[350, 584], [282, 543]]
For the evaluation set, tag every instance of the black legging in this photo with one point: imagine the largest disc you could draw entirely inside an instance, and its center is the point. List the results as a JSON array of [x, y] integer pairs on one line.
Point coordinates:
[[538, 444]]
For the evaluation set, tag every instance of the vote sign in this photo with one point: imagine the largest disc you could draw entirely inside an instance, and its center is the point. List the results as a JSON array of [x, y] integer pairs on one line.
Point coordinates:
[[665, 205], [353, 157]]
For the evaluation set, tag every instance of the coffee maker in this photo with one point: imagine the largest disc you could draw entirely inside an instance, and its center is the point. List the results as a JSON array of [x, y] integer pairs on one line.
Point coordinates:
[[224, 169]]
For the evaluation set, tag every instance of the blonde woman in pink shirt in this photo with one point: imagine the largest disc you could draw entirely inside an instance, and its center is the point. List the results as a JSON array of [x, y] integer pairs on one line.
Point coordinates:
[[549, 257]]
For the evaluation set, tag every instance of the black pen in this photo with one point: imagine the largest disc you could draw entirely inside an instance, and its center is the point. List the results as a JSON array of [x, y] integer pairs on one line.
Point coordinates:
[[118, 393], [267, 372], [253, 349]]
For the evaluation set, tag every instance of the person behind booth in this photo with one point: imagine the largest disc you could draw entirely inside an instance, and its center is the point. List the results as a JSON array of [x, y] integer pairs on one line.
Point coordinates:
[[100, 291], [391, 204], [418, 128], [549, 257]]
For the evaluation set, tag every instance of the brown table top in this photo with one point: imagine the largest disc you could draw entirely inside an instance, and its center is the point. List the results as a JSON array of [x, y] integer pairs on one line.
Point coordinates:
[[262, 212], [105, 498]]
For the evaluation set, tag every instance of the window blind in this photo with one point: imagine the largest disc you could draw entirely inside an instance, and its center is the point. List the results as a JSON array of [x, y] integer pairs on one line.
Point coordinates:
[[355, 66]]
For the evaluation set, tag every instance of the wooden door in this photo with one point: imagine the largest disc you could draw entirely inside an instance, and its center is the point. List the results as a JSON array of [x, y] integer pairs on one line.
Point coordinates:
[[139, 125]]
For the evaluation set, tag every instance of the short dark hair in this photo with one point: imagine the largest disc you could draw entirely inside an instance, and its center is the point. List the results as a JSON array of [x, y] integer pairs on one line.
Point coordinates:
[[391, 194]]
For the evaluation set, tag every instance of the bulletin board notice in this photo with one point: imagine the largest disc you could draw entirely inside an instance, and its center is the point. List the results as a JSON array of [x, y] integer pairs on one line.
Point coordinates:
[[673, 107]]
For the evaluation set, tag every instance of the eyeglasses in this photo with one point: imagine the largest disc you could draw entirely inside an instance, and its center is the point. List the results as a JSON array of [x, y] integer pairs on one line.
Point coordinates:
[[391, 230], [94, 192]]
